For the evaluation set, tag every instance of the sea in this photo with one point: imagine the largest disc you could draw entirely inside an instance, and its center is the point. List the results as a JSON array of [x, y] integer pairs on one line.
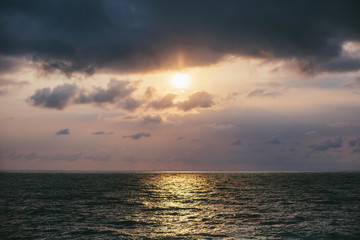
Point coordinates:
[[180, 205]]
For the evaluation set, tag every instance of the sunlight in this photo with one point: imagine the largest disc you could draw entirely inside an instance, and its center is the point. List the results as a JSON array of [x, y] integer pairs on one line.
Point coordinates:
[[180, 80]]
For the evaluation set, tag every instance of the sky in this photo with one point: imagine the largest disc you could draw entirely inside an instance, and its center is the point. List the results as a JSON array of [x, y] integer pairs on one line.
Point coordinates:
[[180, 85]]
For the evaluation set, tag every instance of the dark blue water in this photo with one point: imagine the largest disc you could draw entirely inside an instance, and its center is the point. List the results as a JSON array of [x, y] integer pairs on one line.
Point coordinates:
[[180, 206]]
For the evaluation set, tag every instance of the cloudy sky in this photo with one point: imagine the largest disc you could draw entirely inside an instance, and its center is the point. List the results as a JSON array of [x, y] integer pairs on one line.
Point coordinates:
[[179, 85]]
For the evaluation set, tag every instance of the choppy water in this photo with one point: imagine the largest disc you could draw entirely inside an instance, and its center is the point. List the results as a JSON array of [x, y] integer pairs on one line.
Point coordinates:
[[180, 206]]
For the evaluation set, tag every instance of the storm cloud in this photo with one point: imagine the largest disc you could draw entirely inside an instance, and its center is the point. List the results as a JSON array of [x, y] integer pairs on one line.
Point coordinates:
[[137, 36]]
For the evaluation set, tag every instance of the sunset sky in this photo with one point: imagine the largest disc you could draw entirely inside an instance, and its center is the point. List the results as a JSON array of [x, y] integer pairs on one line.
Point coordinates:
[[179, 85]]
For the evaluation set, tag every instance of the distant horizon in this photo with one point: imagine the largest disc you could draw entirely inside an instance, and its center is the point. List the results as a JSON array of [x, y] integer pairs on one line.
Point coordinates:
[[177, 171]]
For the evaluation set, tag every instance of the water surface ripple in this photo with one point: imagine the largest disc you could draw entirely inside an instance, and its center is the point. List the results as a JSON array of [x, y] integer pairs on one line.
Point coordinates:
[[179, 205]]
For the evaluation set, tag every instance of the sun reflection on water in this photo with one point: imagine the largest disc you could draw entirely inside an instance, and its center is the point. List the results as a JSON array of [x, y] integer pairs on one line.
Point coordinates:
[[180, 203]]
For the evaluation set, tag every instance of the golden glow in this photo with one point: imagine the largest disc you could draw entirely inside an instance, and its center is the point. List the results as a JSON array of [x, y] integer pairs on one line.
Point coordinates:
[[180, 80]]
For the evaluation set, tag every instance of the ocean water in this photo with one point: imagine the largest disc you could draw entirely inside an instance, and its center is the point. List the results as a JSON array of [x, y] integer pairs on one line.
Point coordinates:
[[198, 205]]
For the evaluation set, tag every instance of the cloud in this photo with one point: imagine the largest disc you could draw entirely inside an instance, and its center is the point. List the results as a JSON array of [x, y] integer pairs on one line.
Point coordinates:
[[231, 96], [274, 140], [148, 119], [64, 131], [30, 156], [117, 92], [67, 68], [164, 102], [197, 100], [339, 124], [57, 98], [150, 92], [99, 157], [353, 83], [71, 157], [102, 133], [337, 143], [263, 93], [139, 135], [14, 156], [136, 36], [8, 64], [130, 104], [353, 142], [7, 85]]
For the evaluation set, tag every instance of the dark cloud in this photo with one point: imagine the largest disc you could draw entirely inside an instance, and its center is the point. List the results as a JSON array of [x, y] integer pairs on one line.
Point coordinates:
[[353, 142], [197, 100], [275, 140], [144, 35], [263, 93], [102, 133], [180, 138], [337, 143], [64, 131], [338, 64], [30, 156], [139, 135], [67, 68], [117, 92], [57, 98], [148, 119]]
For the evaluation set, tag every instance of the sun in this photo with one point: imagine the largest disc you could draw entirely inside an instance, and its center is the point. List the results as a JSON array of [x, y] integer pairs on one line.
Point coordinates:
[[180, 80]]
